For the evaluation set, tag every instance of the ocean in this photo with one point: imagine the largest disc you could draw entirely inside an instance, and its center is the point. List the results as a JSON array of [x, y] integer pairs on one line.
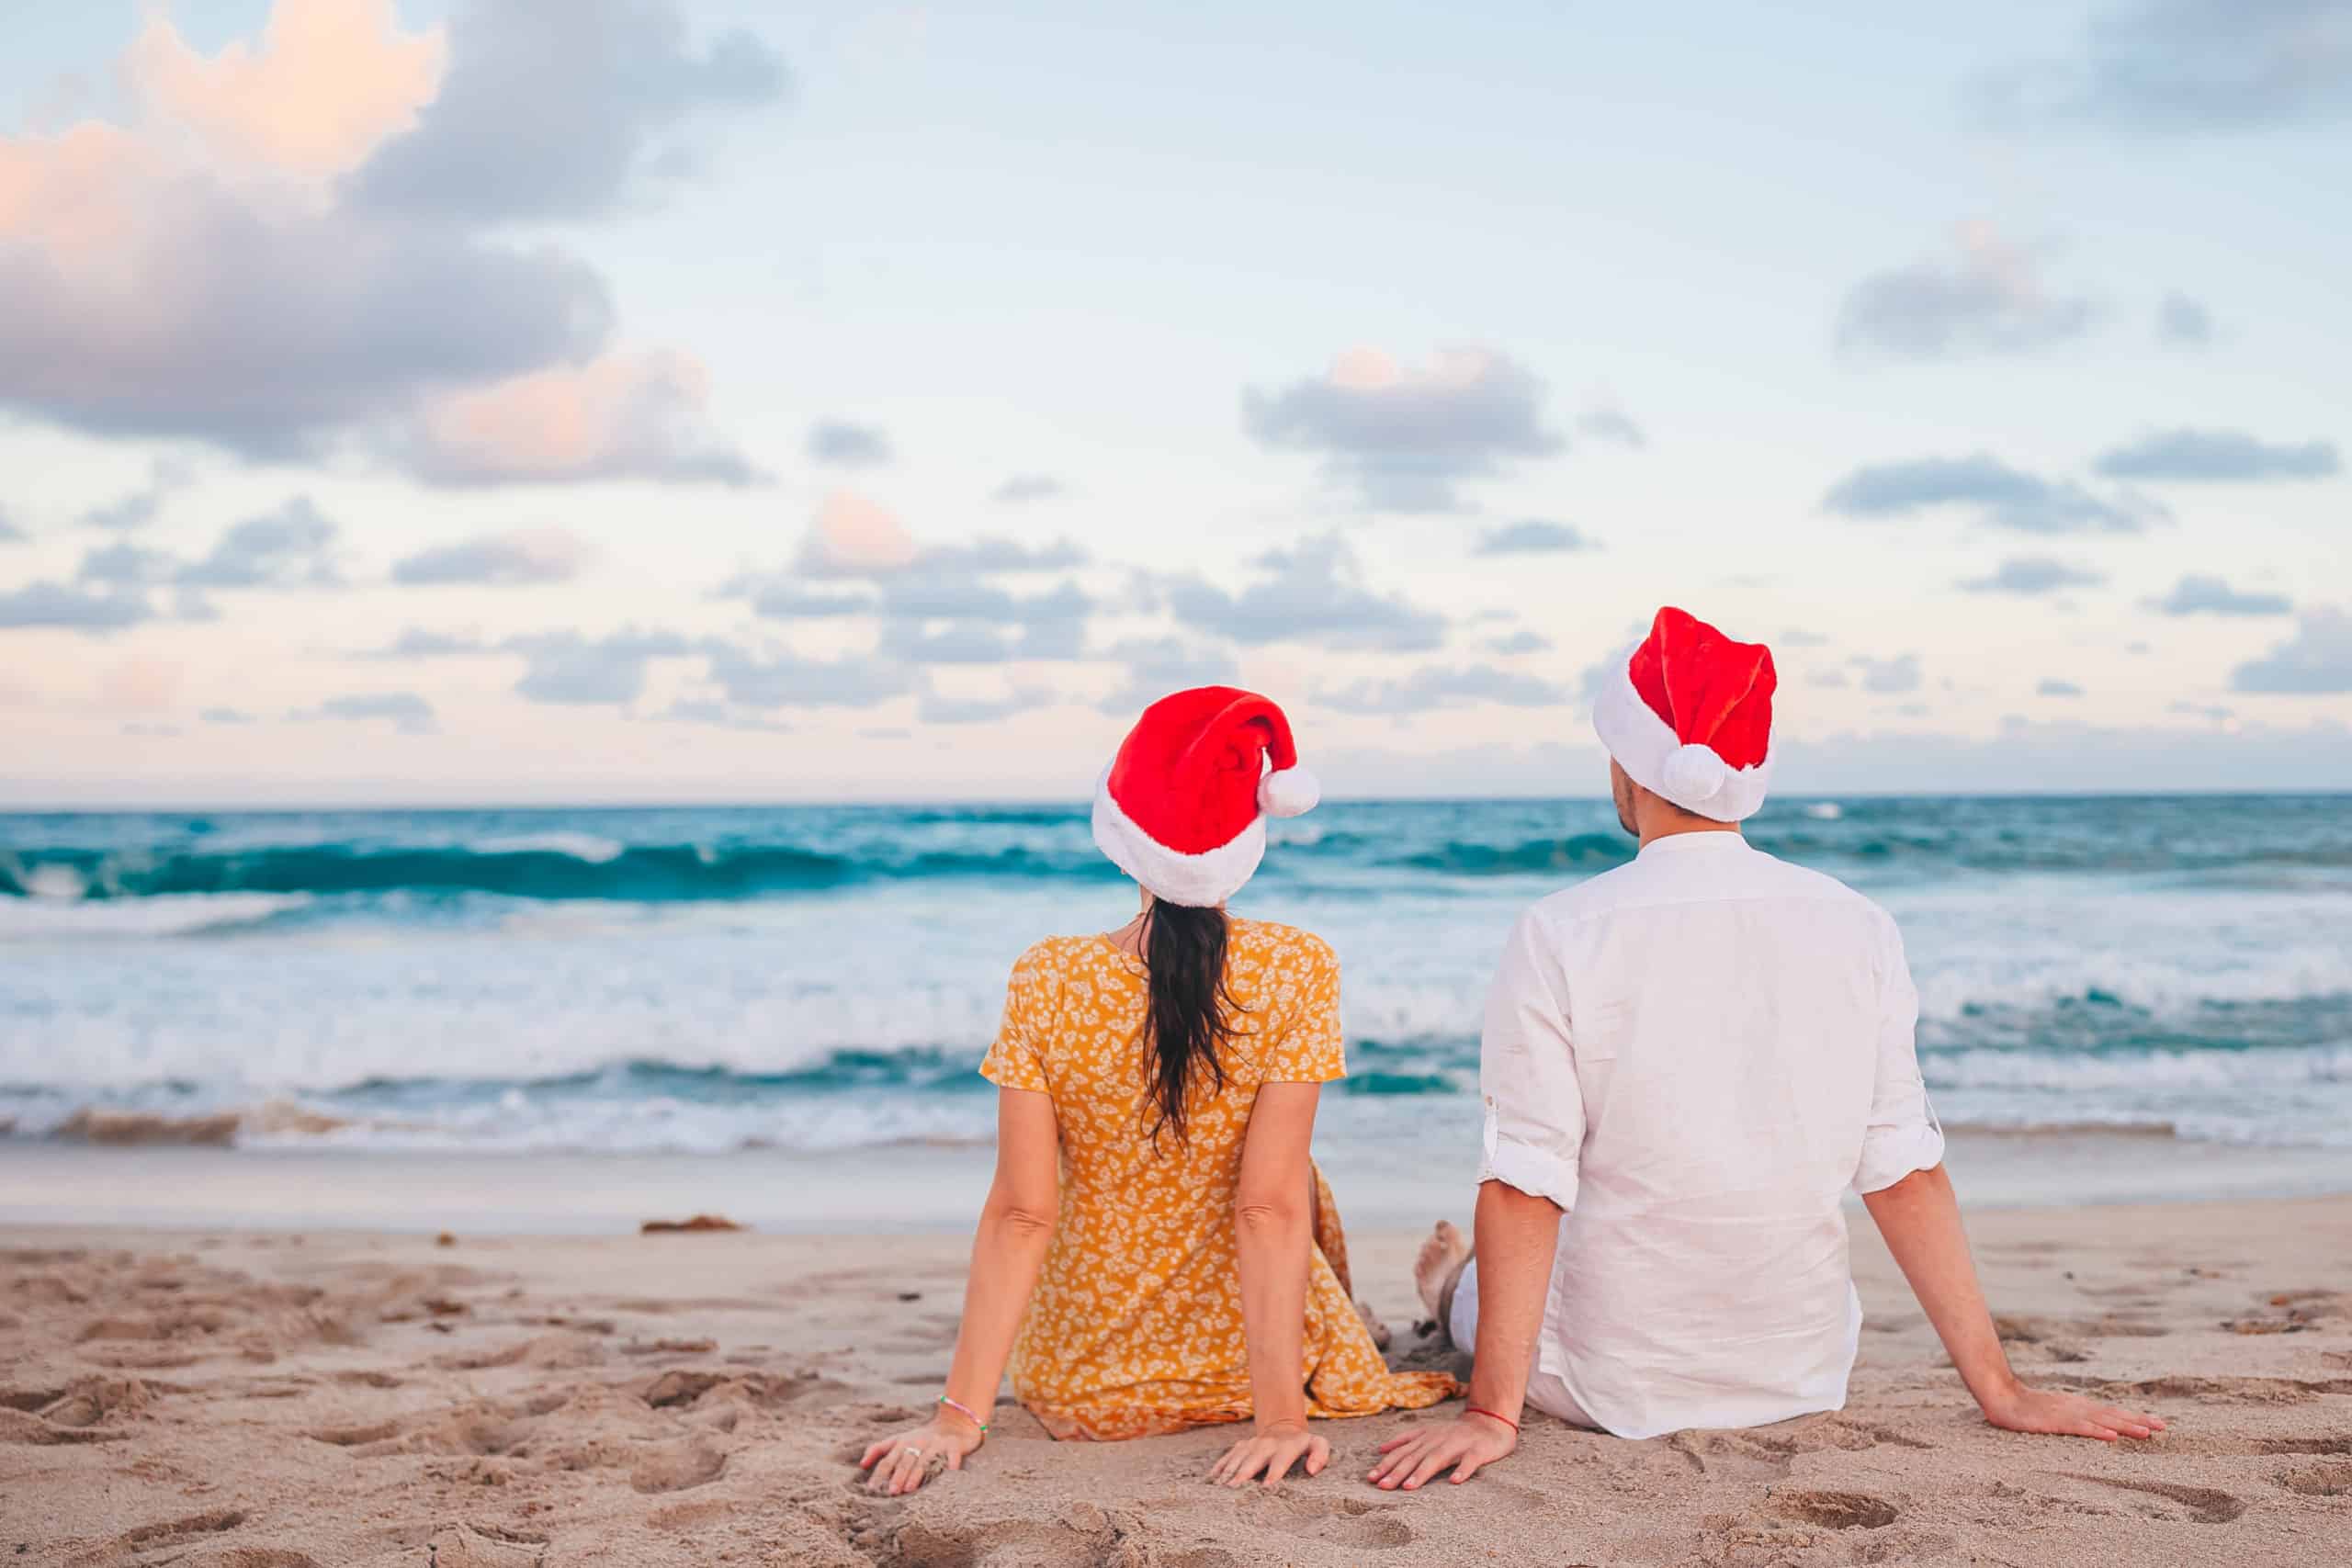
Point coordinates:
[[822, 981]]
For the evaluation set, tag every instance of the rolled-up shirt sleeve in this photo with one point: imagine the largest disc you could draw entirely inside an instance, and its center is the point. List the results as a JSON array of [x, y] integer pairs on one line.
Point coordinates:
[[1527, 1072], [1904, 1135]]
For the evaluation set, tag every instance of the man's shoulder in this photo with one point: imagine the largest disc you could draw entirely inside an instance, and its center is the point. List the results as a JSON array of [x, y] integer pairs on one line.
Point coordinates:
[[1640, 884]]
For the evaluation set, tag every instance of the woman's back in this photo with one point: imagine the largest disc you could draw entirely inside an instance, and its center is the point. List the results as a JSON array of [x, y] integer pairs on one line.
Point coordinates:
[[1137, 1325]]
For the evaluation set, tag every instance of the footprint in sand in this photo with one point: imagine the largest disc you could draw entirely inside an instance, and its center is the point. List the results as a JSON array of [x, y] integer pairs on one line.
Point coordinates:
[[1345, 1521], [1837, 1510], [2205, 1506], [674, 1467], [2319, 1480], [134, 1544]]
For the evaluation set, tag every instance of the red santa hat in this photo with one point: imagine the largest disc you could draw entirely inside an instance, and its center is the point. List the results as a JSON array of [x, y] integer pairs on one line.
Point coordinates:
[[1181, 808], [1688, 714]]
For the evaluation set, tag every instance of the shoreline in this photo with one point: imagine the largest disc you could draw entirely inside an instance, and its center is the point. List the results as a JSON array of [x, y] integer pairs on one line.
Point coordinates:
[[916, 1189], [370, 1399]]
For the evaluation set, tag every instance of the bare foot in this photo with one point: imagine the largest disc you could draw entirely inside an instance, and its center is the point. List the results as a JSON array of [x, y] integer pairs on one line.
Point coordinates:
[[1441, 1257], [1372, 1321]]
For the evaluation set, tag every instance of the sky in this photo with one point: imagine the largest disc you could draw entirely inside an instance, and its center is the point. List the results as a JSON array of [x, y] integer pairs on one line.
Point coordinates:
[[603, 400]]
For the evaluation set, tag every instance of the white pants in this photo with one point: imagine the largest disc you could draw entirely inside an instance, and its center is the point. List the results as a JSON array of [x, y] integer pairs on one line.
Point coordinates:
[[1545, 1392]]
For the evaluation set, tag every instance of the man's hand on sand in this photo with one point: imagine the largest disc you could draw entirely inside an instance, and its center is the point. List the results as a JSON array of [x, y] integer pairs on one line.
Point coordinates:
[[1274, 1450], [1467, 1444], [904, 1462], [2023, 1409]]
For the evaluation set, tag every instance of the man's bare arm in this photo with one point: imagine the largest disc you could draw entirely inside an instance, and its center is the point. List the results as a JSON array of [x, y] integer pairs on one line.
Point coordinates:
[[1919, 1218], [1516, 1236]]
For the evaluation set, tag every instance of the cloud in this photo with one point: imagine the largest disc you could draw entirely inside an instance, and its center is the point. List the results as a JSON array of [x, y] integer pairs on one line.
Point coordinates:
[[2179, 67], [1445, 686], [765, 682], [417, 642], [138, 508], [849, 446], [933, 708], [2214, 712], [1406, 438], [300, 321], [853, 536], [59, 604], [1313, 592], [225, 716], [2217, 454], [9, 533], [561, 109], [567, 668], [914, 587], [2053, 687], [1613, 425], [782, 599], [331, 79], [2032, 577], [983, 623], [2183, 322], [2317, 659], [619, 416], [1989, 299], [164, 283], [1532, 537], [1022, 488], [1887, 676], [1156, 665], [409, 712], [517, 558], [140, 685], [2200, 595], [2004, 497], [290, 548], [1522, 641]]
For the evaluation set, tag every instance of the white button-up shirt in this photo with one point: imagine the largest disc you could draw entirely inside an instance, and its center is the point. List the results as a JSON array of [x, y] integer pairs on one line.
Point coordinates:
[[1697, 1055]]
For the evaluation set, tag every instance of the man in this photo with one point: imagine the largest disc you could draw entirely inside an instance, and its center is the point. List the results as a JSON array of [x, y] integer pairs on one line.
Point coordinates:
[[1687, 1061]]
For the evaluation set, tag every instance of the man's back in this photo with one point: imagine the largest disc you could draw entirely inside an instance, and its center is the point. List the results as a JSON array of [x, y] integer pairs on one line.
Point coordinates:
[[1697, 1055]]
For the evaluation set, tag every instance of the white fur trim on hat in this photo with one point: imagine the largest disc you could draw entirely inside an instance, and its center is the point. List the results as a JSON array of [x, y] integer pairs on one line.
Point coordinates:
[[1692, 777], [1199, 881], [1288, 792]]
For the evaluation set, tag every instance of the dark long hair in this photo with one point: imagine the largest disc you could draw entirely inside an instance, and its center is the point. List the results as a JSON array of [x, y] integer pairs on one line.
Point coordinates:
[[1188, 1019]]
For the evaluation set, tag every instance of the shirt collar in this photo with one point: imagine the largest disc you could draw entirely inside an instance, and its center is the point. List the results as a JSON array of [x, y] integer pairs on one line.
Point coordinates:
[[1701, 842]]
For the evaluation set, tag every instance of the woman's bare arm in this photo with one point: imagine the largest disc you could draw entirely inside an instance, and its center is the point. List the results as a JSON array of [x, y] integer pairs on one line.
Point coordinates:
[[1009, 1248], [1272, 1221]]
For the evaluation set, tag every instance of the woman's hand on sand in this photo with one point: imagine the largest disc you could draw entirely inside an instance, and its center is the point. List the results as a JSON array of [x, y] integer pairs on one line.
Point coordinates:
[[1468, 1443], [1273, 1448], [904, 1462], [2023, 1409]]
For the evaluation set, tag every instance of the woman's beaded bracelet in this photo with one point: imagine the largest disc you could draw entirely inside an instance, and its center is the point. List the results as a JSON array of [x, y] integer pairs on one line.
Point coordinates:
[[967, 1412]]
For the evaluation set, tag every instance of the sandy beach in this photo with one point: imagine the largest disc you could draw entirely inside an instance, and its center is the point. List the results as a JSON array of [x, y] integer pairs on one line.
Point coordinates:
[[275, 1400]]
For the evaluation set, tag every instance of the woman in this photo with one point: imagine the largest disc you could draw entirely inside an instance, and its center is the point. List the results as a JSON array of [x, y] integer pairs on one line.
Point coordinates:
[[1191, 1269]]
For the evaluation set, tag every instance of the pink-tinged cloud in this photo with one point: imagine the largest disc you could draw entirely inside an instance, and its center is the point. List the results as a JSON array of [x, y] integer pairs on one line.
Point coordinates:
[[330, 80], [619, 416], [140, 685], [851, 536], [231, 266], [146, 295]]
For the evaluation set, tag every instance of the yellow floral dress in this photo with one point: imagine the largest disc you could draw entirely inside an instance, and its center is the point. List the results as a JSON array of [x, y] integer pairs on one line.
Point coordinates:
[[1136, 1326]]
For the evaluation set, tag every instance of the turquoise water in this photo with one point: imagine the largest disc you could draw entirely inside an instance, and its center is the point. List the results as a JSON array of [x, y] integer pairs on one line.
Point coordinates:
[[815, 978]]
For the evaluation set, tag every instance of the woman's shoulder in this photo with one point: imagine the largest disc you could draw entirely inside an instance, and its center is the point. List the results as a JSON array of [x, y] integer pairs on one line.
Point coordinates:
[[1272, 941]]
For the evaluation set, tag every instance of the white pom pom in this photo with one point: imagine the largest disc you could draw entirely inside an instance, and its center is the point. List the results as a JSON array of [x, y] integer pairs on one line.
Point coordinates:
[[1288, 792], [1693, 773]]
